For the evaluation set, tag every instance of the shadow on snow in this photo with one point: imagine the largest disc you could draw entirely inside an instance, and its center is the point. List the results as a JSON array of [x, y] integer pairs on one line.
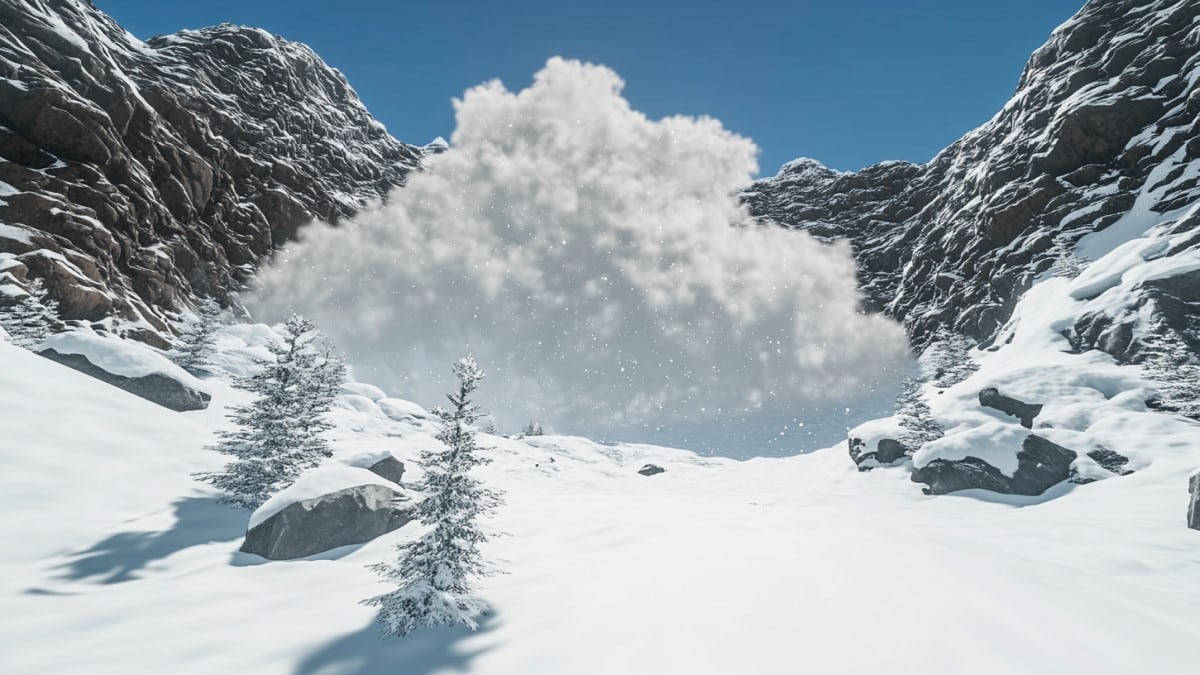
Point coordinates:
[[367, 652], [119, 558]]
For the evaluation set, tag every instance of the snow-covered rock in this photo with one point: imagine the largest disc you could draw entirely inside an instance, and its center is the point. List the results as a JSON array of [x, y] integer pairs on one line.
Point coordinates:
[[328, 508], [949, 465], [131, 366], [874, 443], [1193, 514], [1026, 412]]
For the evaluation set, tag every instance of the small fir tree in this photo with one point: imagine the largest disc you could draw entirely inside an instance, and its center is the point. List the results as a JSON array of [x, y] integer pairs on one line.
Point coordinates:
[[435, 574], [280, 433], [28, 321], [919, 424], [947, 360], [532, 429], [196, 351]]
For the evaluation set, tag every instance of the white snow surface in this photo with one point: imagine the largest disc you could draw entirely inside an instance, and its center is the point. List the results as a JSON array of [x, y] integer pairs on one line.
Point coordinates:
[[119, 357], [770, 565], [320, 481]]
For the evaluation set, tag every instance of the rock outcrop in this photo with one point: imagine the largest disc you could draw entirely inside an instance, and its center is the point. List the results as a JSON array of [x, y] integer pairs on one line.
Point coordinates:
[[354, 515], [1104, 119], [651, 470], [157, 388], [1193, 514], [1026, 412], [1041, 465], [136, 175]]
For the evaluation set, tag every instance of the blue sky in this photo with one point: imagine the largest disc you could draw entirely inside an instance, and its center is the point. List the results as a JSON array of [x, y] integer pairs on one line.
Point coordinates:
[[848, 82]]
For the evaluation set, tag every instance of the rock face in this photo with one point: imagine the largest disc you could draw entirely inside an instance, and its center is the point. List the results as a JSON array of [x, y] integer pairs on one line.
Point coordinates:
[[1041, 464], [651, 470], [1105, 114], [354, 515], [143, 173], [1193, 515], [992, 398], [155, 387]]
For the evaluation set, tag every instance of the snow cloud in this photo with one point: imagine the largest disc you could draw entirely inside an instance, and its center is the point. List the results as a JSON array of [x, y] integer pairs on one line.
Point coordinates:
[[597, 265]]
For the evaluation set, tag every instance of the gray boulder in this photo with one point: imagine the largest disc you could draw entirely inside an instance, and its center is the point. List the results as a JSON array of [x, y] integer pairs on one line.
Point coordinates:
[[1040, 465], [155, 387], [651, 469], [992, 398], [1193, 517], [887, 451], [354, 515], [389, 467]]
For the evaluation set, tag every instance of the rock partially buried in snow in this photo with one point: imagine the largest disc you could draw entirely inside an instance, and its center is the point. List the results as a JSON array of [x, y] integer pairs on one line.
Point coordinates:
[[389, 467], [353, 515], [873, 444], [651, 469], [1040, 465], [133, 367], [1193, 516], [992, 398]]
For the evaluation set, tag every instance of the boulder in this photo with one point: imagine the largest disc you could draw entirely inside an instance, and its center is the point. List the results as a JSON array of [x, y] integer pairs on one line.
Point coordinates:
[[1111, 460], [158, 388], [389, 467], [354, 515], [651, 469], [887, 451], [1040, 465], [1193, 516], [992, 398]]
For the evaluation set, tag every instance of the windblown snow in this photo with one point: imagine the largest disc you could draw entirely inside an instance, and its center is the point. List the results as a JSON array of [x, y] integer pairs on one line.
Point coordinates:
[[599, 264]]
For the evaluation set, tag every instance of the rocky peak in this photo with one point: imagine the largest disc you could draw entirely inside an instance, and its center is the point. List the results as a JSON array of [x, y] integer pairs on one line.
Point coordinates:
[[134, 174], [1107, 113]]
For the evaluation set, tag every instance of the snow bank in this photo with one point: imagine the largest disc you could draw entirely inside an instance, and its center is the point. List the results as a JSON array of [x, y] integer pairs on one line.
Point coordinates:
[[368, 391], [320, 481], [119, 357]]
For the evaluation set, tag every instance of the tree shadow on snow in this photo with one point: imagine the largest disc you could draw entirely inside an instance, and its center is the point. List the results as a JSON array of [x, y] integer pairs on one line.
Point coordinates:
[[367, 652], [119, 558]]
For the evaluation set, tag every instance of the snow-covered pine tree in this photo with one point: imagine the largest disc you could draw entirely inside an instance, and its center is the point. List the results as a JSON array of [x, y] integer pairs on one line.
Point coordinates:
[[196, 349], [279, 434], [920, 426], [532, 429], [947, 360], [435, 574], [28, 320], [1172, 363]]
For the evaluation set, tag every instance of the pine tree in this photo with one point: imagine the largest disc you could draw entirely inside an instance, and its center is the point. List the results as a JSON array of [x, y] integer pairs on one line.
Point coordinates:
[[532, 429], [198, 335], [435, 574], [920, 426], [279, 434], [29, 319], [947, 361], [1174, 365]]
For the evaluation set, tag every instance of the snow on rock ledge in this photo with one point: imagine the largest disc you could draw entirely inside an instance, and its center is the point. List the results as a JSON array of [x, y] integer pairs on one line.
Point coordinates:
[[326, 509], [875, 443], [132, 366]]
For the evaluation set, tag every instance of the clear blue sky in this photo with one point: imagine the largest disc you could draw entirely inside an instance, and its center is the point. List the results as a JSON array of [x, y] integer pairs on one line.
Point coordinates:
[[848, 82]]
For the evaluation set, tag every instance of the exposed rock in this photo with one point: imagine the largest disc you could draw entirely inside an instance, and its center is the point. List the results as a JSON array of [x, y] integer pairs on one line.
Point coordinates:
[[147, 173], [354, 515], [887, 451], [1193, 515], [1041, 464], [1101, 110], [1026, 412], [155, 387], [390, 468], [651, 469], [1111, 460]]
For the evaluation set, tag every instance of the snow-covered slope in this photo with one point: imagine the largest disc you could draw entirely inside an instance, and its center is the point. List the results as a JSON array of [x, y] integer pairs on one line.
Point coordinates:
[[715, 566]]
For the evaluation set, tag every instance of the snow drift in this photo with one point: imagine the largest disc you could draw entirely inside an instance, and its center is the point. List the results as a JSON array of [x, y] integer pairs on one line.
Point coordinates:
[[596, 261]]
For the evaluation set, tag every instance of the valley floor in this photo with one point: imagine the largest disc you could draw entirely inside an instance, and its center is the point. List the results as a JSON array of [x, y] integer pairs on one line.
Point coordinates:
[[116, 561]]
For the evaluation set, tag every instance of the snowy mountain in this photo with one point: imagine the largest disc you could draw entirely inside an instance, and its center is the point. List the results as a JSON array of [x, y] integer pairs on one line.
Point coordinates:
[[136, 175]]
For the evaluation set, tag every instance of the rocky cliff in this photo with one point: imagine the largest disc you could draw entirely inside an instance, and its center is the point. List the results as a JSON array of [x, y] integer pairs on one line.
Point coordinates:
[[134, 175], [1106, 117]]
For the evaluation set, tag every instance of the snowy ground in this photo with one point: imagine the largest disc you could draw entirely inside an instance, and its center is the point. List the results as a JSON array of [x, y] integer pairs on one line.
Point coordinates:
[[115, 561]]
